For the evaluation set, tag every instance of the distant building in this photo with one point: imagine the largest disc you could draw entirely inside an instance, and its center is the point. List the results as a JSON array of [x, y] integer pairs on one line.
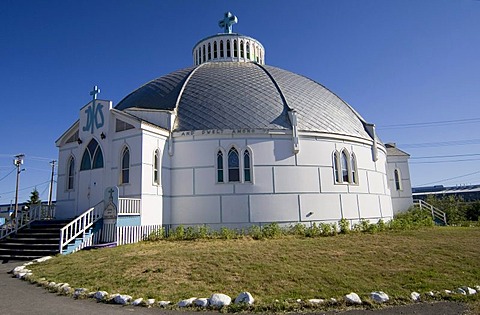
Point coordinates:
[[467, 193]]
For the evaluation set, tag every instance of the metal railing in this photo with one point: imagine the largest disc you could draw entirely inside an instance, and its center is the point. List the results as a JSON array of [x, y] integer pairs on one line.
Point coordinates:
[[39, 212], [437, 214], [80, 225]]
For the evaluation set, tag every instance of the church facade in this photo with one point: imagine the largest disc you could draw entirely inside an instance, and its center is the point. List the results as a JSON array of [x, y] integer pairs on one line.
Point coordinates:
[[229, 142]]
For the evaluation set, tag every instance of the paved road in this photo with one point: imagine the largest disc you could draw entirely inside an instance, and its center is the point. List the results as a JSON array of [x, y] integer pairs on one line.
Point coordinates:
[[20, 297]]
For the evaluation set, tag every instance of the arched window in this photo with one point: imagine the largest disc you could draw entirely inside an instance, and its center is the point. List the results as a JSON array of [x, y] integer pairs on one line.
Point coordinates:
[[221, 49], [156, 168], [398, 179], [353, 168], [229, 54], [235, 49], [233, 166], [215, 49], [344, 166], [125, 173], [209, 52], [336, 166], [247, 171], [92, 157], [219, 166], [71, 173], [248, 50], [242, 55], [203, 51]]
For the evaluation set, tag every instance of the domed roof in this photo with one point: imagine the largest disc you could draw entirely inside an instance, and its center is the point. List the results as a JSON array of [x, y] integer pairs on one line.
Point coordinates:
[[234, 95]]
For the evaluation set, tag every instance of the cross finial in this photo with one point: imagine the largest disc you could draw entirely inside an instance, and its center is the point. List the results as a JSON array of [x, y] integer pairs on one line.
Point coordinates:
[[227, 22], [94, 92]]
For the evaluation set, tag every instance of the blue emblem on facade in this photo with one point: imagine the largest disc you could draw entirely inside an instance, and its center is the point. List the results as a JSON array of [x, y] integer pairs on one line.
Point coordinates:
[[94, 112]]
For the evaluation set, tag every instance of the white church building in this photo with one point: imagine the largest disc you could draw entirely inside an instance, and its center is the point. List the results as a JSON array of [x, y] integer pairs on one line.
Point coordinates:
[[228, 142]]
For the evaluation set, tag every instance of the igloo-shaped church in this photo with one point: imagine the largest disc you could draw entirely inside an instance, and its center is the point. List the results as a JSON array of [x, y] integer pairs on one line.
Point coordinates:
[[229, 142]]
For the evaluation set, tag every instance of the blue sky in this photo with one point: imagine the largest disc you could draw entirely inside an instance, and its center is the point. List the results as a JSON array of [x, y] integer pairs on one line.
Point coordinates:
[[396, 62]]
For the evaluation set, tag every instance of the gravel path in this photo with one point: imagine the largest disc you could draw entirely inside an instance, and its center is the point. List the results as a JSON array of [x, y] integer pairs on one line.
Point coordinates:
[[20, 297]]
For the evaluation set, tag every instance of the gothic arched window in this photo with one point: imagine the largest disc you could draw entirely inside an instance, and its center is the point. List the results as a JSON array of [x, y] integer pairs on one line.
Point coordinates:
[[229, 54], [233, 166], [219, 166], [125, 173], [353, 168], [156, 168], [398, 179], [336, 166], [71, 173], [92, 157], [344, 166], [247, 171]]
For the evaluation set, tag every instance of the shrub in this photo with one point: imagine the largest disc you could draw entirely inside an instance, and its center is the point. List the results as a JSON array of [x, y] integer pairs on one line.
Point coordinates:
[[228, 234], [313, 231], [298, 229], [272, 230], [344, 226], [157, 235], [255, 232]]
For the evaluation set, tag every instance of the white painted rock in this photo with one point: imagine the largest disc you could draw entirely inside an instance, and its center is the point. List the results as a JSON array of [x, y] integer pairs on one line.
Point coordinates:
[[100, 295], [353, 298], [477, 287], [447, 292], [19, 269], [150, 302], [163, 303], [137, 302], [122, 299], [42, 259], [469, 291], [415, 296], [28, 263], [187, 302], [244, 297], [21, 275], [201, 302], [333, 300], [219, 300], [298, 300], [78, 292], [379, 297], [431, 293], [315, 301]]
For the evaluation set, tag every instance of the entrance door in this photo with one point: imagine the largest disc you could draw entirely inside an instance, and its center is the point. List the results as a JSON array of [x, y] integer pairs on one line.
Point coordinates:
[[90, 186]]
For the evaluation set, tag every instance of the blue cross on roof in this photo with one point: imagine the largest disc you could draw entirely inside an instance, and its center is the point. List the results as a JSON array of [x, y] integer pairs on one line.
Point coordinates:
[[94, 92], [227, 22]]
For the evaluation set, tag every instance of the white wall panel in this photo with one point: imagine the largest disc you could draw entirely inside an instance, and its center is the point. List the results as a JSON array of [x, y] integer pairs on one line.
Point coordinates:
[[195, 210], [324, 207], [369, 206], [235, 209], [350, 206], [274, 208], [205, 183], [296, 179], [182, 182], [268, 152]]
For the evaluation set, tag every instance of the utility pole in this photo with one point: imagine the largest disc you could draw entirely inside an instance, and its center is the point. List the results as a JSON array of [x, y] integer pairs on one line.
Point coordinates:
[[18, 161], [51, 183]]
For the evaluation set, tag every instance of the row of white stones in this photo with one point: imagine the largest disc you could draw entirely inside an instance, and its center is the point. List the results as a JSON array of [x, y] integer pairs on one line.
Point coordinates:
[[216, 300]]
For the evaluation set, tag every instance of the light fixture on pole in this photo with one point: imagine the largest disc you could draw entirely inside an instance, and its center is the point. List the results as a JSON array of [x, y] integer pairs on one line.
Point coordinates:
[[17, 162]]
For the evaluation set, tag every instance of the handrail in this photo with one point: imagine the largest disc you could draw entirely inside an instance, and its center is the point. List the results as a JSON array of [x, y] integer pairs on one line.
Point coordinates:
[[129, 206], [436, 213], [40, 212], [80, 225]]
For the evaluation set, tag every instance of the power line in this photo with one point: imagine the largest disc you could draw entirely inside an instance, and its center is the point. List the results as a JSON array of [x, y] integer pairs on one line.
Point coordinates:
[[430, 124], [442, 156], [7, 174], [447, 161], [439, 144], [448, 179]]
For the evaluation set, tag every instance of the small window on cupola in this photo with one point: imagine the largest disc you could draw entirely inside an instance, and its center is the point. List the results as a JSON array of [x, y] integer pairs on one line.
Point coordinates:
[[221, 49], [215, 49], [229, 54]]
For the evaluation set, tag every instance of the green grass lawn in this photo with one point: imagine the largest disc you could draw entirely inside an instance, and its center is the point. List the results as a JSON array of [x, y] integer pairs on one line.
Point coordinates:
[[396, 262]]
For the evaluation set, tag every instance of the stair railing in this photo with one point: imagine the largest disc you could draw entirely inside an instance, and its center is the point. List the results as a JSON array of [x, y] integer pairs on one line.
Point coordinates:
[[436, 213], [39, 212], [80, 225]]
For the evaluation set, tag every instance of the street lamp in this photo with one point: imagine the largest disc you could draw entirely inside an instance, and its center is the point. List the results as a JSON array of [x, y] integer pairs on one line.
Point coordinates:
[[18, 161]]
